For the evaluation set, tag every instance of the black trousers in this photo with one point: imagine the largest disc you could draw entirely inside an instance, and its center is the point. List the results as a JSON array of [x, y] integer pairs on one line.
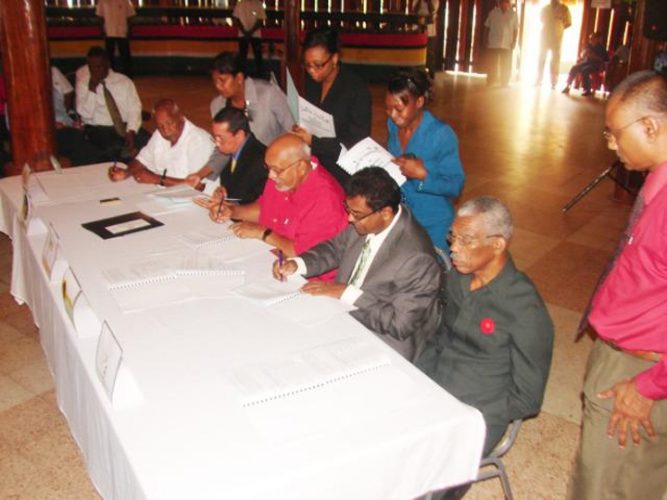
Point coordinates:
[[256, 50], [125, 58], [111, 145], [73, 144]]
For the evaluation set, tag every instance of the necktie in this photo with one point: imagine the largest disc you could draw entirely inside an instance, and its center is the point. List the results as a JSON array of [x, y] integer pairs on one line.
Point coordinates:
[[625, 238], [117, 120], [355, 279], [233, 165]]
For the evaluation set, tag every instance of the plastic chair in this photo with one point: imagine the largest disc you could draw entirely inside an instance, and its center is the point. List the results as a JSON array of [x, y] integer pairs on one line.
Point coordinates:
[[494, 459]]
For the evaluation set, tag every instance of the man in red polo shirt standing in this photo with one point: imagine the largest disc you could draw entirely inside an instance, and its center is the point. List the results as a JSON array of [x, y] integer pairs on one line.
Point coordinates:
[[623, 451]]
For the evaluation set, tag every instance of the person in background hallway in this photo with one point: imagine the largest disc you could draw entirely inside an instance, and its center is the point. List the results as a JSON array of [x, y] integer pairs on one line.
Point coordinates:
[[301, 205], [264, 104], [109, 107], [116, 14], [555, 19], [386, 265], [176, 148], [339, 91], [428, 9], [593, 59], [426, 150], [623, 447], [493, 350], [500, 31], [248, 16]]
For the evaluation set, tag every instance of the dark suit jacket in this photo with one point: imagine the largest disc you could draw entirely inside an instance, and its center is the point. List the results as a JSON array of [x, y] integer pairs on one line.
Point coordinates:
[[349, 102], [400, 292], [247, 181]]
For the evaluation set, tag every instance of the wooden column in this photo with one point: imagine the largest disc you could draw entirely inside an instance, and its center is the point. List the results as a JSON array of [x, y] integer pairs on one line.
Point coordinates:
[[642, 50], [28, 80], [292, 26]]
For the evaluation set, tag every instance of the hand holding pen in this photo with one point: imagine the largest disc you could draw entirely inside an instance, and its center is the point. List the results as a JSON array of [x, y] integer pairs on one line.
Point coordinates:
[[283, 268]]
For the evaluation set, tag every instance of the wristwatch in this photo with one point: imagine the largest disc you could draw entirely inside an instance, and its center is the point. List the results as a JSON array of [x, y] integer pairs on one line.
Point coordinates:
[[266, 234]]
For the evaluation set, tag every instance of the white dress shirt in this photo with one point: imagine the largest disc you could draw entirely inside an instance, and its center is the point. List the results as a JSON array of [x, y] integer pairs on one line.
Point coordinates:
[[93, 108], [190, 152], [352, 293], [115, 14], [248, 12], [502, 26]]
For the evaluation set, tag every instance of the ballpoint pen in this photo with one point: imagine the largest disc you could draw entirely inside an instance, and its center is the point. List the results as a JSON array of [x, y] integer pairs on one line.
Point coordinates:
[[281, 261]]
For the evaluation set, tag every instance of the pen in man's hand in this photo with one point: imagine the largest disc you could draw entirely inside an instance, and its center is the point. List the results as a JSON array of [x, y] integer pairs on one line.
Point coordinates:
[[281, 261], [222, 200]]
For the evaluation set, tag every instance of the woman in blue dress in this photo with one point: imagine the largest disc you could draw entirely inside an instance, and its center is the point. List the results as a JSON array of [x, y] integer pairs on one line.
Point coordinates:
[[427, 152]]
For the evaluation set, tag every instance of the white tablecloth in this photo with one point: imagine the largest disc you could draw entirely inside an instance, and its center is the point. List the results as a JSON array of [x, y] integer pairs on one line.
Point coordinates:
[[183, 431]]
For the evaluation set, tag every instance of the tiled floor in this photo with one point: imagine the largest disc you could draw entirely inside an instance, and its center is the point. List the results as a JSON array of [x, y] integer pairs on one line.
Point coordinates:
[[533, 148]]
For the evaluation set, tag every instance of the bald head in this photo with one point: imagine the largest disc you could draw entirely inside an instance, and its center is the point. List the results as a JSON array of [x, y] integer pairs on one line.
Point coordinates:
[[288, 161], [169, 119]]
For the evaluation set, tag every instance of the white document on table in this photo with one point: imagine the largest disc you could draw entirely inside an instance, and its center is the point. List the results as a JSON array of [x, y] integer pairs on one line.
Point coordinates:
[[108, 359], [285, 299], [306, 371], [70, 290], [211, 234], [54, 265], [368, 153]]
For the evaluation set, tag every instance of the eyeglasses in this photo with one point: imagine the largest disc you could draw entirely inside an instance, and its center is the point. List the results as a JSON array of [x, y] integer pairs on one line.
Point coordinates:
[[611, 133], [317, 65], [468, 242], [277, 171], [357, 218]]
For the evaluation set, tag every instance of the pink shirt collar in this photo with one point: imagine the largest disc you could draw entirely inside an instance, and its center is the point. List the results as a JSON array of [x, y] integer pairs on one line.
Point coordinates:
[[654, 183]]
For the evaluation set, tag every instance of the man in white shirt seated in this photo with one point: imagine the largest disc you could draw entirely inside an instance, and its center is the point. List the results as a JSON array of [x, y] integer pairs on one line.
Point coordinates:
[[176, 149], [386, 265], [109, 107]]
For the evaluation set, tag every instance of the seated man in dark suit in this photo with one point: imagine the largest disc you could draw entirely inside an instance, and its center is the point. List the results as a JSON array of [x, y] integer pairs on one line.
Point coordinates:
[[493, 350], [244, 178], [386, 264]]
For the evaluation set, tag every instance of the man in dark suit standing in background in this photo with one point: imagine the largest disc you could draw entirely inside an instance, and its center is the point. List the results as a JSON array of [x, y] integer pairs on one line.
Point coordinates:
[[386, 264]]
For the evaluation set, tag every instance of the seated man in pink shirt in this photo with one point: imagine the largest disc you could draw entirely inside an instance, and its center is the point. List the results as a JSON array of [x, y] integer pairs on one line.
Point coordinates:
[[301, 206]]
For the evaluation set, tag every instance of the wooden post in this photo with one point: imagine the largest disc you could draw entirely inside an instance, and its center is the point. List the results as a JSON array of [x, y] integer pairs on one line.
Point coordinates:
[[292, 30], [28, 80]]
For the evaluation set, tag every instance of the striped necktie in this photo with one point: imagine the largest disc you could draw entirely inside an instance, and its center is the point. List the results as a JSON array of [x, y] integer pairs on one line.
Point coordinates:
[[355, 279], [116, 118]]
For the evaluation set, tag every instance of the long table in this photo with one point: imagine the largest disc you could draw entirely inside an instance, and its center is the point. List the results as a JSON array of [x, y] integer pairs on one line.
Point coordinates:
[[178, 425]]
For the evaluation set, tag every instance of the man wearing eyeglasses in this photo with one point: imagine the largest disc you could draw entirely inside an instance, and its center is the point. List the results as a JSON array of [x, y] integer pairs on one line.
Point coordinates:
[[493, 350], [301, 205], [175, 150], [623, 446], [386, 264]]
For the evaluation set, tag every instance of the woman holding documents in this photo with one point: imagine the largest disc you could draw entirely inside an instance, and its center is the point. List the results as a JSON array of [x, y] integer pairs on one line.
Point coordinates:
[[338, 91], [427, 152]]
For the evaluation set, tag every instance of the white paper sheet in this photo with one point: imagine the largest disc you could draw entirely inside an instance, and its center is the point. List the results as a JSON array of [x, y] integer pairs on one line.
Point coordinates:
[[368, 153]]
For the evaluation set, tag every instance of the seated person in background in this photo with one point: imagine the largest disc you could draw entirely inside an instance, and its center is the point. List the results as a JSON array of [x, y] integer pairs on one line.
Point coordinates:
[[592, 60], [110, 108], [386, 265], [263, 102], [493, 350], [70, 138], [427, 150], [176, 149], [301, 206], [339, 91]]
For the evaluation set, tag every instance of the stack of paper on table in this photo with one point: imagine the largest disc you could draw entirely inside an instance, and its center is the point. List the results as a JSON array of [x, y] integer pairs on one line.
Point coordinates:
[[368, 153], [285, 299], [307, 371]]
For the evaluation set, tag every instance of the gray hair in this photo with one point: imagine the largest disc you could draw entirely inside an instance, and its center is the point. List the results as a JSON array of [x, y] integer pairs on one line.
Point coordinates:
[[494, 215]]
